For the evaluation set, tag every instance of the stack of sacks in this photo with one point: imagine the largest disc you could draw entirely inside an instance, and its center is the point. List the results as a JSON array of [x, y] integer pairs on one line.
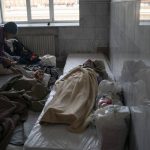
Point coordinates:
[[144, 75], [136, 92], [136, 82], [112, 124], [111, 118], [131, 68]]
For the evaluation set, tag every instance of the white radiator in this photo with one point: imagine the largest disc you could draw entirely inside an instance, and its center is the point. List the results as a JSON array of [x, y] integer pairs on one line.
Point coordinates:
[[40, 42]]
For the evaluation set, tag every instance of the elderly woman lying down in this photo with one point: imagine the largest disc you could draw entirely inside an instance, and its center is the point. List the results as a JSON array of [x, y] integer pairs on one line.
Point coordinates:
[[75, 96], [23, 91], [33, 86]]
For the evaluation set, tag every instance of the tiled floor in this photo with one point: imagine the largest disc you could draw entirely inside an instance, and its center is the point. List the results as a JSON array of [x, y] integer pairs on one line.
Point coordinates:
[[32, 117], [13, 147]]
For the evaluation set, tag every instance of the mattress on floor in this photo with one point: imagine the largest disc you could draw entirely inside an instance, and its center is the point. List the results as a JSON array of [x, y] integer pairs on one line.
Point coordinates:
[[76, 59], [56, 137]]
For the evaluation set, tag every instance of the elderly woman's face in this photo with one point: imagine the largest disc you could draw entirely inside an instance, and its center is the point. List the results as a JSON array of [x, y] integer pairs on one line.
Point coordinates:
[[8, 35]]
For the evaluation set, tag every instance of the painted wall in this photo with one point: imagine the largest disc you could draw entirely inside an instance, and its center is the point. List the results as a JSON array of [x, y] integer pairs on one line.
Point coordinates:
[[93, 31], [130, 59]]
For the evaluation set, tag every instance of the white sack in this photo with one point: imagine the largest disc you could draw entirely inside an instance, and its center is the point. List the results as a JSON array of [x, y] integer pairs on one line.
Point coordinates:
[[112, 126], [111, 89], [48, 60]]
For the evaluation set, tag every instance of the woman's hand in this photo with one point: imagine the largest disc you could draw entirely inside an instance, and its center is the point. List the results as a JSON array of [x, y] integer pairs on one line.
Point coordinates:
[[7, 62], [39, 75]]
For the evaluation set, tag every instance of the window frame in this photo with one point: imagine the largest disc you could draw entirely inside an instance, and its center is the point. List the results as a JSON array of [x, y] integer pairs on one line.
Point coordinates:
[[32, 21]]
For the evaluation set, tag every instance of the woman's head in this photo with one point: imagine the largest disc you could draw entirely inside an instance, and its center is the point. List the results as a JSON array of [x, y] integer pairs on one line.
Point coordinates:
[[10, 30]]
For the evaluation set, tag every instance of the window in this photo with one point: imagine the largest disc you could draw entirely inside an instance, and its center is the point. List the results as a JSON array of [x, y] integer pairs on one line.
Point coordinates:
[[145, 11], [30, 11]]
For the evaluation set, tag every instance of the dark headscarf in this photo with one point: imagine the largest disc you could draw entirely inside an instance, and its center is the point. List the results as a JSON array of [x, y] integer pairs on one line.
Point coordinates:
[[10, 27]]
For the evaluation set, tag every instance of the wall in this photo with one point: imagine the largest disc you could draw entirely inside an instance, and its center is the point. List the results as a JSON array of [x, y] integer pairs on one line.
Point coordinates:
[[129, 43], [40, 40], [92, 32]]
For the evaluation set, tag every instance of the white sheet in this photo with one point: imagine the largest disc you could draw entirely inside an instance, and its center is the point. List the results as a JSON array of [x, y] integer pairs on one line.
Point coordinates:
[[56, 137], [76, 59]]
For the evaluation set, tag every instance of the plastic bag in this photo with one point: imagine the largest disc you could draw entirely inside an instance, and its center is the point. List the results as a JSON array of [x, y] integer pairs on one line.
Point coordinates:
[[48, 60], [112, 126]]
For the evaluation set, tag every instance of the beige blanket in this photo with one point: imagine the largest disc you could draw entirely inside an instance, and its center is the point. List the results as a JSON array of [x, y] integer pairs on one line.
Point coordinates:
[[74, 99]]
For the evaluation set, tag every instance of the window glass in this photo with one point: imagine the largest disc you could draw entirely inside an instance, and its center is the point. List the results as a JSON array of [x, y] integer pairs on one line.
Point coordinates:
[[40, 9], [66, 10], [145, 10], [14, 10], [37, 10]]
